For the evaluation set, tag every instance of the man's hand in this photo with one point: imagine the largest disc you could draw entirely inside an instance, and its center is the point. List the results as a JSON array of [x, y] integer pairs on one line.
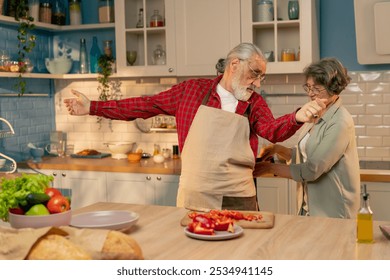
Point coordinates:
[[311, 111], [78, 106]]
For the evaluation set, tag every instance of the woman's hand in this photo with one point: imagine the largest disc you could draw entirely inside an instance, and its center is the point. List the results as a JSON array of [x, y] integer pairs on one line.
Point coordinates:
[[262, 168], [267, 152], [78, 106]]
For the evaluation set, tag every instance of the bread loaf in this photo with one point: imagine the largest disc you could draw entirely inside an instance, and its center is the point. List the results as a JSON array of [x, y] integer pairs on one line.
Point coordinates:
[[56, 247], [120, 246]]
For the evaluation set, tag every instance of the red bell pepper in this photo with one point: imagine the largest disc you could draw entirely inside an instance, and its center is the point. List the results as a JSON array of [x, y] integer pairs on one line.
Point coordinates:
[[196, 227]]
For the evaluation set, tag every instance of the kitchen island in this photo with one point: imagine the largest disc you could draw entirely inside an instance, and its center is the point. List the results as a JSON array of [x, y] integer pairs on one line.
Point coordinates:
[[161, 237]]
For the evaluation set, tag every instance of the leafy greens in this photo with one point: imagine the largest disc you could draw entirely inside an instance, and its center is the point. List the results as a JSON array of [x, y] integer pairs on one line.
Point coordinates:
[[13, 192]]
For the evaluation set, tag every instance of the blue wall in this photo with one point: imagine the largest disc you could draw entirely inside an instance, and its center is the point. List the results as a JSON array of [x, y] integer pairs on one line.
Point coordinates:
[[338, 36]]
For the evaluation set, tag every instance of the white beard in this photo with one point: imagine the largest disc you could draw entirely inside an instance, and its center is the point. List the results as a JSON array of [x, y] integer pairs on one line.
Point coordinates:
[[240, 92]]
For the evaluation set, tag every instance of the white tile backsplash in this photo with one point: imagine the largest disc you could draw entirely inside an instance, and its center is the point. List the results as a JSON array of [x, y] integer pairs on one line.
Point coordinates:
[[367, 98]]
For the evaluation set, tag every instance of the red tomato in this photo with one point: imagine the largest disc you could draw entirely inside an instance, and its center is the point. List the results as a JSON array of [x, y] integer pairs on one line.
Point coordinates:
[[52, 192], [17, 211], [58, 204]]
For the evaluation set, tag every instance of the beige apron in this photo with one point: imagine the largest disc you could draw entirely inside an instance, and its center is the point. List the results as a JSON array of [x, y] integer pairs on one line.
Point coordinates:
[[217, 160]]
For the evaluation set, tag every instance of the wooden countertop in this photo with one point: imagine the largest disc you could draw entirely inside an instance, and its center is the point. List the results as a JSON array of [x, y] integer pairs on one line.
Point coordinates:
[[160, 236], [147, 166]]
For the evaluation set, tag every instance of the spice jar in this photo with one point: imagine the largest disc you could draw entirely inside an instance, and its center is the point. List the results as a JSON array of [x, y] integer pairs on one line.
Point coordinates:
[[75, 12], [58, 16], [106, 11], [45, 12], [156, 20]]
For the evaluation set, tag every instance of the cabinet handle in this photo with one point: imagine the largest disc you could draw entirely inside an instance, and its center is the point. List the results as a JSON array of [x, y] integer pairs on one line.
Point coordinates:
[[170, 70], [54, 174], [63, 174], [148, 178], [159, 178]]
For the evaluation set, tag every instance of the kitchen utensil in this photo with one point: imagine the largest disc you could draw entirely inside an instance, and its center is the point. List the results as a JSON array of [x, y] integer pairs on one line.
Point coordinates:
[[37, 154], [55, 220], [114, 220], [219, 235], [134, 157], [120, 150]]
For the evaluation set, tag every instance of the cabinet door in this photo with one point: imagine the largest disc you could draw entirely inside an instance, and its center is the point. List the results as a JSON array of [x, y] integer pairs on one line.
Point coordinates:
[[272, 195], [87, 187], [144, 40], [379, 200], [281, 33], [130, 188], [166, 189], [205, 32]]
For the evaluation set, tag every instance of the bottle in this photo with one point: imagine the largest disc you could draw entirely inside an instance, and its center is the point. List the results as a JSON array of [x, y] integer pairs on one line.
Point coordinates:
[[156, 20], [159, 56], [84, 67], [265, 10], [140, 22], [58, 14], [106, 11], [75, 12], [365, 231], [33, 9], [94, 55], [45, 12]]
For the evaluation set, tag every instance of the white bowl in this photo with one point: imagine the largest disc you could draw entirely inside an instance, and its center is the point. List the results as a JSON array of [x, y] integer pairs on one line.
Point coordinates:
[[119, 150], [52, 220], [58, 65]]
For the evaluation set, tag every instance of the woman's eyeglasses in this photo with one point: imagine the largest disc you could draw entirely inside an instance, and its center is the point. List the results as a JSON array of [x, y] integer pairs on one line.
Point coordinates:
[[314, 90]]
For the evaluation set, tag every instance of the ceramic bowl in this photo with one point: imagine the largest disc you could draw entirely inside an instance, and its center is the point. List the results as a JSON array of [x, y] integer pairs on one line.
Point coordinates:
[[52, 220], [119, 150], [58, 65], [37, 154], [134, 157]]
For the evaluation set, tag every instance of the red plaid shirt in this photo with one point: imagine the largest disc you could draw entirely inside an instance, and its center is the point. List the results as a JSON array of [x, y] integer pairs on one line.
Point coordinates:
[[183, 100]]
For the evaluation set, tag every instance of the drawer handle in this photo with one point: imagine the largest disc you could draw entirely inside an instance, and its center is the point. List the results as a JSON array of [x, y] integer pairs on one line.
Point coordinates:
[[54, 174], [159, 178], [63, 174], [148, 178]]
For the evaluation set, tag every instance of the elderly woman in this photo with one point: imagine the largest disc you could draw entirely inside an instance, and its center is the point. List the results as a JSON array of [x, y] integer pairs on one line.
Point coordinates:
[[325, 161]]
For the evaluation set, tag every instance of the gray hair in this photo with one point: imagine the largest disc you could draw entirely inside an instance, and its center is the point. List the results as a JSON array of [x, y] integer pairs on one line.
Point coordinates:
[[242, 51], [330, 73]]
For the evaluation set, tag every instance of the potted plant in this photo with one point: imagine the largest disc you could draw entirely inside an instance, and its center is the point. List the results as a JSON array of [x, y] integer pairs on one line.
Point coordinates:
[[26, 40]]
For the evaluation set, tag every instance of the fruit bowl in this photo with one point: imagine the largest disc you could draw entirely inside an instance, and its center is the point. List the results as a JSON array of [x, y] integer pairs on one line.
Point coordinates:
[[38, 221], [119, 150]]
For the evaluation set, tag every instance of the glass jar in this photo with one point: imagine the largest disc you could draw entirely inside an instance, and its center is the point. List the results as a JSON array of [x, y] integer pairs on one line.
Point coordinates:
[[156, 20], [293, 9], [288, 54], [106, 11], [159, 56], [265, 10], [45, 12], [75, 12]]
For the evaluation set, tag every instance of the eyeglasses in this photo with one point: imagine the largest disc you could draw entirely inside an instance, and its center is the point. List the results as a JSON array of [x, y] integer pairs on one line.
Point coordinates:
[[314, 90], [256, 74]]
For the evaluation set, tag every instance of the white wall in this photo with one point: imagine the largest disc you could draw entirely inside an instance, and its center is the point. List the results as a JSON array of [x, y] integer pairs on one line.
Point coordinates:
[[367, 98]]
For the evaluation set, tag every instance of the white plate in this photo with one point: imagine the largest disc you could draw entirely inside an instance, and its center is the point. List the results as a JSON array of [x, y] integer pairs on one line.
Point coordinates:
[[115, 220], [219, 235]]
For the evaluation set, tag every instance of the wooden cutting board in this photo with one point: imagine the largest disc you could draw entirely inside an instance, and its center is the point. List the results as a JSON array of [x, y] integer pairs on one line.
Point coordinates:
[[266, 222]]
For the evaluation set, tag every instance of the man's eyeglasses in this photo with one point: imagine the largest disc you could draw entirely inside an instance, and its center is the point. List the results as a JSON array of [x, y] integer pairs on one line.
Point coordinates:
[[314, 90], [256, 74]]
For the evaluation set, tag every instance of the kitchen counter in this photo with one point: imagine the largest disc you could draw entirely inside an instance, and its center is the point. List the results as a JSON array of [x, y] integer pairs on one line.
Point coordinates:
[[160, 235], [371, 171]]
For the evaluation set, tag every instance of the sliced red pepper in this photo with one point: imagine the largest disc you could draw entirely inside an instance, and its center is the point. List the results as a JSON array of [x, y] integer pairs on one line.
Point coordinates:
[[205, 221], [196, 227], [222, 224]]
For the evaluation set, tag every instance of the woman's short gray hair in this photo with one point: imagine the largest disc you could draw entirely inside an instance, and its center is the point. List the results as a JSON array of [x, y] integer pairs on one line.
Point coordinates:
[[330, 73], [243, 51]]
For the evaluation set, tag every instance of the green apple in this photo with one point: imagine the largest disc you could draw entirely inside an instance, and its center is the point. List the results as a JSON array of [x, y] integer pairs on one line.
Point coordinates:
[[38, 210]]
